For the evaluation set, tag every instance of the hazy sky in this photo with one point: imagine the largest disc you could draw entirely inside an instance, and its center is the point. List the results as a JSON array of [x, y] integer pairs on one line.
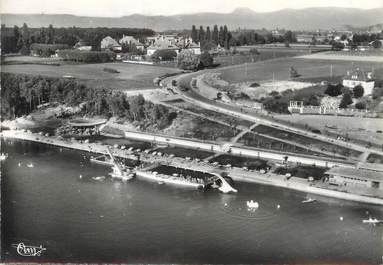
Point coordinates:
[[166, 7]]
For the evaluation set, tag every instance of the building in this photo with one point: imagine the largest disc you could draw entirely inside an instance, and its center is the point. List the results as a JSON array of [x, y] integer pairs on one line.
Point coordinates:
[[172, 42], [130, 40], [359, 77], [82, 46], [355, 178], [108, 43]]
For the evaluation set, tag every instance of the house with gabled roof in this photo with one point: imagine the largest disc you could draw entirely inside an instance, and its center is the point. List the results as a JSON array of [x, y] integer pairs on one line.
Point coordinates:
[[130, 40], [359, 77], [108, 43]]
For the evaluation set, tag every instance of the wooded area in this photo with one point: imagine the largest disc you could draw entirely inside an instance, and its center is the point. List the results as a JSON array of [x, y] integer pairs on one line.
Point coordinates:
[[21, 94]]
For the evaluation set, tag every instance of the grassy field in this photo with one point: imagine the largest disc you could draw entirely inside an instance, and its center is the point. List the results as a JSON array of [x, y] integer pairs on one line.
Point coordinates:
[[366, 129], [264, 54], [130, 76], [370, 56], [279, 69]]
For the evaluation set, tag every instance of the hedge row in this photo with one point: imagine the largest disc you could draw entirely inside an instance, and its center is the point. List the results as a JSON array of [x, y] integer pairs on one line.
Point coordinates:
[[46, 50], [87, 56]]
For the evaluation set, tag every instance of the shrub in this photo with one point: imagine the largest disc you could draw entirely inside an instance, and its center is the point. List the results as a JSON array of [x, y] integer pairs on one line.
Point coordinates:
[[334, 90], [360, 105], [164, 55], [187, 60], [24, 50], [253, 51], [111, 70], [358, 91], [206, 60], [346, 100]]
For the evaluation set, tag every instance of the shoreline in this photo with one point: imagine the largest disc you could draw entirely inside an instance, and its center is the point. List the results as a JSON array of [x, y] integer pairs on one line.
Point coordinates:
[[237, 174]]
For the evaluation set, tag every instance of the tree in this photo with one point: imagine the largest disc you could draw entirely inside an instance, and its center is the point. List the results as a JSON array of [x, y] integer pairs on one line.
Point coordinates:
[[334, 90], [164, 55], [206, 60], [25, 35], [377, 44], [187, 60], [289, 36], [346, 100], [254, 51], [17, 34], [337, 46], [360, 105], [50, 34], [194, 34], [225, 37], [358, 91], [215, 36], [208, 34], [221, 37], [313, 41], [201, 34]]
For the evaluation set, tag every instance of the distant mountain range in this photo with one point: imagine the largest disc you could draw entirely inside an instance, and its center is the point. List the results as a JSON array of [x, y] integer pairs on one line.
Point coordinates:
[[296, 19]]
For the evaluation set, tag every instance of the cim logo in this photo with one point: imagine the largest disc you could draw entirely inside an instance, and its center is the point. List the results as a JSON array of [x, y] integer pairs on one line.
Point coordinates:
[[28, 251]]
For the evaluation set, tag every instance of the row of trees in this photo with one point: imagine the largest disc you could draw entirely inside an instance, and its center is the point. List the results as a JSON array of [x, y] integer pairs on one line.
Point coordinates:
[[87, 56], [46, 50], [14, 39], [219, 36], [21, 94]]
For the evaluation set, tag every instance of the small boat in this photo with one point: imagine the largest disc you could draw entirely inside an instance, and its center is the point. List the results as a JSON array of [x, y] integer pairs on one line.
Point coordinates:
[[101, 178], [3, 156], [252, 204], [160, 182], [30, 165], [19, 164], [309, 200], [373, 221]]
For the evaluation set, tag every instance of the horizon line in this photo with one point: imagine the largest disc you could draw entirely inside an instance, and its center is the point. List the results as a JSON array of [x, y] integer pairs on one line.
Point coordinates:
[[193, 13]]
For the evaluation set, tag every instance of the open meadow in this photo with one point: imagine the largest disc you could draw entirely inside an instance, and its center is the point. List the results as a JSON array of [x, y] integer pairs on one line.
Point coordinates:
[[367, 129], [279, 69], [130, 76]]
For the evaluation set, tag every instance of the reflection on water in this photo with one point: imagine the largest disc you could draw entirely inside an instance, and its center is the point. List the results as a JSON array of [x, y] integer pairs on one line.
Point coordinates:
[[89, 219]]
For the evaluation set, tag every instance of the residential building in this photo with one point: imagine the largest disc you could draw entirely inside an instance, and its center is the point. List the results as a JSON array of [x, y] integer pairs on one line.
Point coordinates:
[[359, 77], [108, 43], [130, 40], [82, 46]]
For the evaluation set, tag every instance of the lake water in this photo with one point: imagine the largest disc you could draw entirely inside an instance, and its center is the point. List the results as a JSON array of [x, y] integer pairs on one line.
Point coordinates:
[[82, 219]]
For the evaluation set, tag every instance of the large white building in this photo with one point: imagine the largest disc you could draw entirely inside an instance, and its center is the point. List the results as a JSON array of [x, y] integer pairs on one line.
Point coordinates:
[[359, 77], [171, 42]]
